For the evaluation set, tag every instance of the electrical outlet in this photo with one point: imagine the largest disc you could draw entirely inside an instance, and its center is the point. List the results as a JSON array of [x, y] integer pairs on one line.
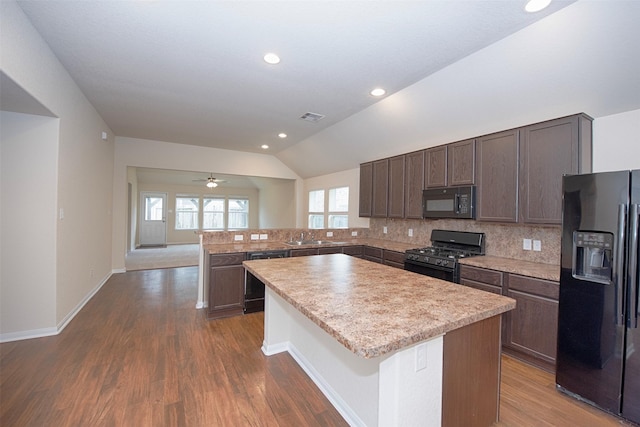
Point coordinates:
[[354, 234], [329, 233], [384, 230], [238, 237], [411, 232], [526, 244], [421, 357], [255, 236], [264, 237], [537, 245]]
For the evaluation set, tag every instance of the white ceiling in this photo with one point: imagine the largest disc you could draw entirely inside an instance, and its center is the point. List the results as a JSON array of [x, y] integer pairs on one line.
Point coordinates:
[[192, 71]]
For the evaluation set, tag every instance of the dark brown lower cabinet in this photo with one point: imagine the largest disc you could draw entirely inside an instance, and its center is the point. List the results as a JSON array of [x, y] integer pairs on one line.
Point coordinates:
[[226, 285], [393, 258], [373, 254], [303, 252], [529, 331], [532, 327]]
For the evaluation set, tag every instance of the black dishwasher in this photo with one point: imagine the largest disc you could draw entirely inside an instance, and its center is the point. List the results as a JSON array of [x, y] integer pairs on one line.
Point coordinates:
[[254, 288]]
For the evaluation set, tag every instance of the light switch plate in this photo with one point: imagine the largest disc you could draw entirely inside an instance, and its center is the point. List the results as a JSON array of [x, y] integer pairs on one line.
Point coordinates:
[[238, 237], [411, 232], [537, 245], [255, 236], [526, 244], [329, 233], [263, 237], [384, 230], [354, 233]]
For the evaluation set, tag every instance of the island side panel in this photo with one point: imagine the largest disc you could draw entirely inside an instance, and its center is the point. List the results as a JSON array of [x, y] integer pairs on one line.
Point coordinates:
[[471, 387], [411, 386]]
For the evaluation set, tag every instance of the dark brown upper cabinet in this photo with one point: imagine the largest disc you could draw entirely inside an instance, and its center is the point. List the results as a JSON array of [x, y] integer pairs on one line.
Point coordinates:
[[396, 187], [414, 184], [435, 167], [547, 151], [380, 203], [366, 189], [497, 167], [461, 159]]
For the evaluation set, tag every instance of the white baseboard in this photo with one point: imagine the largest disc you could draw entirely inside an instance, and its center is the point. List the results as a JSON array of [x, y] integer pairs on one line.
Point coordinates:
[[118, 270], [47, 332]]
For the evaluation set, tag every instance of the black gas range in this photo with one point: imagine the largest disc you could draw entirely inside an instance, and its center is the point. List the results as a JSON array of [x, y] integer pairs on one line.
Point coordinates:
[[440, 260]]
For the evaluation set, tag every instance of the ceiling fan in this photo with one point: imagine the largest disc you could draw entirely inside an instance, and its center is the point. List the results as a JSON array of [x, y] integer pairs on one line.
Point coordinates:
[[211, 182]]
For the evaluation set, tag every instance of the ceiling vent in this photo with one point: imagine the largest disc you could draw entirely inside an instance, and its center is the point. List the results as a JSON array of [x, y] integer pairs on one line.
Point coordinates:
[[312, 117]]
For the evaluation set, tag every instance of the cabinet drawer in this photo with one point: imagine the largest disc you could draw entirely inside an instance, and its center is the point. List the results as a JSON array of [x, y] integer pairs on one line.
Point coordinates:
[[353, 250], [226, 259], [490, 277], [394, 257], [370, 251], [544, 288], [481, 286]]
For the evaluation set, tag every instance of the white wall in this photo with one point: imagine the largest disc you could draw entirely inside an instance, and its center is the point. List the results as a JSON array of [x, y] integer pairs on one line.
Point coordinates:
[[277, 205], [28, 190], [84, 165], [616, 142], [166, 155]]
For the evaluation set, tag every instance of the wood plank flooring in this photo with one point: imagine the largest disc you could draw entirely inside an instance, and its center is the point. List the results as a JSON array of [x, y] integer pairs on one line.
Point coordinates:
[[140, 354]]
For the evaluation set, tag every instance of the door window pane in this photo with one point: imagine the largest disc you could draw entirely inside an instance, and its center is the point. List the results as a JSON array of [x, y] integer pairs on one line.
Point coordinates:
[[153, 208]]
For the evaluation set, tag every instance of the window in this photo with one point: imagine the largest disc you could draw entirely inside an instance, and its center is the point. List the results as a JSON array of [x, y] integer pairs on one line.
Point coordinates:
[[153, 208], [213, 213], [339, 207], [316, 209], [238, 213], [187, 208]]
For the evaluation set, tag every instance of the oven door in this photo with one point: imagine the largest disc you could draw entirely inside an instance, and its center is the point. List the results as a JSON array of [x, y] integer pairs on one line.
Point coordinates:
[[447, 274]]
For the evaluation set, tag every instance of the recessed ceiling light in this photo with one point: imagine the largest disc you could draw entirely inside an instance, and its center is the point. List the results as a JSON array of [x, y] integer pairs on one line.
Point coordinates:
[[271, 58], [264, 146], [378, 92], [282, 135], [536, 5]]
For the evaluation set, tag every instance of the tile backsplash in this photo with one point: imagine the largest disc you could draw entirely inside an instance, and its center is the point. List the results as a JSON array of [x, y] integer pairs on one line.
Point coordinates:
[[503, 240]]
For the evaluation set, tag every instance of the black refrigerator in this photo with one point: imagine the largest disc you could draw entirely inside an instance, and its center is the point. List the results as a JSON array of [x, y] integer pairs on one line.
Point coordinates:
[[598, 358]]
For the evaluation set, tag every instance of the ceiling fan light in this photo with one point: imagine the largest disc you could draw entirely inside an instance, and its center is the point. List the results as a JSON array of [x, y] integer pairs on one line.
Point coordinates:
[[211, 184]]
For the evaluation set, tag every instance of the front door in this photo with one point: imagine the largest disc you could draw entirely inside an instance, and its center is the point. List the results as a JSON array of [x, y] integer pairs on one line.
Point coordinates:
[[153, 219]]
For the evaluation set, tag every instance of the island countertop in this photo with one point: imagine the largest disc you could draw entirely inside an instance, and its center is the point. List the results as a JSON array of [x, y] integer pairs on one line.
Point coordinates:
[[373, 309]]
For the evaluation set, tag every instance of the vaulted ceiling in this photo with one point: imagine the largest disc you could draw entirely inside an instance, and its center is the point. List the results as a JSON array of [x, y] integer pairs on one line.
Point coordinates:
[[192, 72]]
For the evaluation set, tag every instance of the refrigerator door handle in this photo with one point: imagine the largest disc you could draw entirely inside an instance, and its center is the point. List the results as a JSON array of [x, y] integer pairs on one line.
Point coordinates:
[[632, 279], [619, 277]]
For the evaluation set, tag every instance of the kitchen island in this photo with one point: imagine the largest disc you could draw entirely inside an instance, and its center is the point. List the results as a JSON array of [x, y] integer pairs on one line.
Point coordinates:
[[386, 346]]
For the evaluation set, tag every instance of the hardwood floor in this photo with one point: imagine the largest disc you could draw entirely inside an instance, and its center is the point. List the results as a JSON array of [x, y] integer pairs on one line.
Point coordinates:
[[140, 354]]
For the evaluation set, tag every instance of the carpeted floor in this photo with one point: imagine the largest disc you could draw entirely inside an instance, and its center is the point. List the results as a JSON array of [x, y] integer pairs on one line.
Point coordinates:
[[162, 257]]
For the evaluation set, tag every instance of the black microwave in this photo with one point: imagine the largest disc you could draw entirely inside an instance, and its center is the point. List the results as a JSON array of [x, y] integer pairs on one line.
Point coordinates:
[[453, 202]]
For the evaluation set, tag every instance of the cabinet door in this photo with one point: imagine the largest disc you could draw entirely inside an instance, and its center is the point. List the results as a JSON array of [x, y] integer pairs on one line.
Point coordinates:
[[414, 184], [366, 189], [497, 166], [356, 251], [436, 167], [480, 278], [547, 151], [532, 327], [380, 188], [373, 254], [396, 187], [393, 258], [461, 157], [226, 291]]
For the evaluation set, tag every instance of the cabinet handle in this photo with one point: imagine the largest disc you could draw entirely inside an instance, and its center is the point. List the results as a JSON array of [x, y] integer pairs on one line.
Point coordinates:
[[618, 275], [632, 272]]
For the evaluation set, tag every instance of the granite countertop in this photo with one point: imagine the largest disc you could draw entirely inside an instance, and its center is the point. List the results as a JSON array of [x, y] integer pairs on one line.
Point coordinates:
[[370, 308], [220, 248], [515, 266]]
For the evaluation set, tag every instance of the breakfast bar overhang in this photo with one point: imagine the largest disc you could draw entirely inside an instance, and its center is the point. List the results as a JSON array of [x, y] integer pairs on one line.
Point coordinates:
[[386, 346]]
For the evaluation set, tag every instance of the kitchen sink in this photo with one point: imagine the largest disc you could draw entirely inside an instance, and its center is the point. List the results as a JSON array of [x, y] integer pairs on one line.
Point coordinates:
[[313, 242]]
